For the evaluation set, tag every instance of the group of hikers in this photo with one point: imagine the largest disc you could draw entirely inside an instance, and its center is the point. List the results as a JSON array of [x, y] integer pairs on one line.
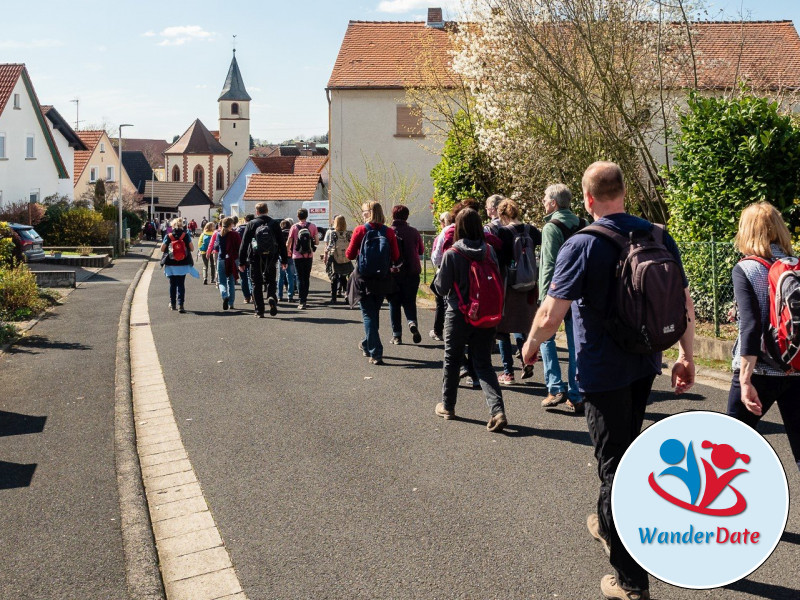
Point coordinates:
[[617, 285]]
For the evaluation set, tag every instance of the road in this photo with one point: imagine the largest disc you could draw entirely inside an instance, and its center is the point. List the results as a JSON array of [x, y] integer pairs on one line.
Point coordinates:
[[332, 478]]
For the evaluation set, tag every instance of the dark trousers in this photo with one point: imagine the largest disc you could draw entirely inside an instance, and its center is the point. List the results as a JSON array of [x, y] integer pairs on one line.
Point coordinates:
[[338, 282], [303, 266], [177, 289], [406, 298], [263, 272], [245, 277], [615, 420], [457, 334], [438, 318], [784, 390]]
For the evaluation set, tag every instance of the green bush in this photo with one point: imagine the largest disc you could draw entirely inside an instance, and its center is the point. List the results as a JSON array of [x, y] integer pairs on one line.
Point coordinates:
[[134, 220], [77, 227], [8, 333], [19, 295]]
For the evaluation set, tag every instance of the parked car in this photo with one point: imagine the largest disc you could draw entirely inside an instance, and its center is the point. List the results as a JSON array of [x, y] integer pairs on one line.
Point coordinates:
[[32, 242]]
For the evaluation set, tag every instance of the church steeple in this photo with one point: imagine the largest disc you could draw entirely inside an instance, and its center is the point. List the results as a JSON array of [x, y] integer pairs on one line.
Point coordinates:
[[234, 86]]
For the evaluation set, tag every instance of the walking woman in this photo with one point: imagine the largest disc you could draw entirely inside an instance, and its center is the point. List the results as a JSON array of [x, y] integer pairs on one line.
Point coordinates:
[[206, 254], [178, 248], [469, 246], [756, 385], [337, 265], [520, 306], [371, 281], [226, 246], [406, 276]]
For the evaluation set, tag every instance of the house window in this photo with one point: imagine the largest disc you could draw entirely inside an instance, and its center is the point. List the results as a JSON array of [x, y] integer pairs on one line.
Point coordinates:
[[16, 101], [34, 196], [220, 178], [409, 121], [109, 173], [235, 108], [198, 176], [102, 146], [176, 173], [2, 145], [29, 146], [234, 125], [93, 172]]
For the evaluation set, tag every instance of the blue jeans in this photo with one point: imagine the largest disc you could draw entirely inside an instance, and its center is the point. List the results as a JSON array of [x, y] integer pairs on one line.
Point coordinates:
[[370, 314], [245, 277], [287, 277], [552, 368], [226, 283], [507, 350], [177, 288]]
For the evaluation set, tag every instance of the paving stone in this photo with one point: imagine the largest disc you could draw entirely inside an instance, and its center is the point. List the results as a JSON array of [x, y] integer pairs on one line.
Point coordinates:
[[163, 457], [167, 468], [178, 508], [154, 484], [176, 493], [195, 541], [205, 587], [197, 563], [159, 448], [169, 528]]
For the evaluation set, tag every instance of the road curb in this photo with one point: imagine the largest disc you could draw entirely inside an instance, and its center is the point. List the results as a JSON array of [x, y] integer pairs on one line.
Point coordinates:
[[141, 559]]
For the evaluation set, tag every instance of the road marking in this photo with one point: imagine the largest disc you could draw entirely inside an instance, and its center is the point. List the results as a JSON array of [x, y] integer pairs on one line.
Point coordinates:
[[194, 561]]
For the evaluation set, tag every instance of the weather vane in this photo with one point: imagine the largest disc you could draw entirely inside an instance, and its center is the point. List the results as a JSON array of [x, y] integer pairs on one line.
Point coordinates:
[[234, 43]]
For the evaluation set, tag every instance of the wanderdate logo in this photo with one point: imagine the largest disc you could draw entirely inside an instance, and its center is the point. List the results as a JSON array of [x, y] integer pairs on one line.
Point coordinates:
[[700, 500]]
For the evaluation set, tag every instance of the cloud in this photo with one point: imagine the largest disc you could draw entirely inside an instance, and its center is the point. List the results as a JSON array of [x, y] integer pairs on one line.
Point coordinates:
[[406, 6], [182, 34], [149, 34], [46, 43], [200, 87]]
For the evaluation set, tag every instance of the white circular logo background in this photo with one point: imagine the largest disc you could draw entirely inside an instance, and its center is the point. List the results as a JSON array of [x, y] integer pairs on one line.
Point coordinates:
[[700, 500]]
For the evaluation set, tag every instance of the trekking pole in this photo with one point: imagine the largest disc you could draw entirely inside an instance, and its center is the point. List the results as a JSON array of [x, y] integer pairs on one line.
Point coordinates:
[[714, 292]]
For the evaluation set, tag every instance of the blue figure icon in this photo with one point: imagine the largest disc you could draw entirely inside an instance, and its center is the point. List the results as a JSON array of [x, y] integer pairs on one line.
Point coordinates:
[[672, 453]]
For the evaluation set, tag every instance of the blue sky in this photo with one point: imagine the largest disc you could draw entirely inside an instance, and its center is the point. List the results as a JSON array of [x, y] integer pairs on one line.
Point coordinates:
[[160, 65]]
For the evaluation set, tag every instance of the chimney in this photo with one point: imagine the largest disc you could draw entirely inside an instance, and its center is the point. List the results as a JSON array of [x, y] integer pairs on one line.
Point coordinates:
[[435, 19]]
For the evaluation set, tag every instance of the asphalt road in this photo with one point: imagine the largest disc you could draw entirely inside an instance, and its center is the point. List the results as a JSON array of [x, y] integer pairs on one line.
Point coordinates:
[[332, 478], [59, 506]]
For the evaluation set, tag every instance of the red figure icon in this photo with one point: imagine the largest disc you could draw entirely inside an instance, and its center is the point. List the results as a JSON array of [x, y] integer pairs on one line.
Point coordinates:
[[724, 457]]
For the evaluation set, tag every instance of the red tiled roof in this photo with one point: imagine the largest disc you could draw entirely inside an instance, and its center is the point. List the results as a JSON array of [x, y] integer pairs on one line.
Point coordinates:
[[215, 133], [267, 186], [90, 138], [387, 54], [309, 164], [9, 75], [275, 164]]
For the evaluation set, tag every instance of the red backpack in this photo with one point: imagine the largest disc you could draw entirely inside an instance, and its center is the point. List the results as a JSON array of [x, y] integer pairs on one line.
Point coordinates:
[[485, 303], [177, 248], [782, 334]]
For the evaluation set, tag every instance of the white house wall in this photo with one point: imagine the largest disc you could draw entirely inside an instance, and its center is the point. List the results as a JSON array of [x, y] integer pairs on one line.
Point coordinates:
[[193, 160], [20, 176], [363, 125], [65, 186], [196, 212]]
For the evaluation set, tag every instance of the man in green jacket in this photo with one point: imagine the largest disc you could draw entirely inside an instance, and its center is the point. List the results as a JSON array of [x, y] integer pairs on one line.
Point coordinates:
[[560, 224]]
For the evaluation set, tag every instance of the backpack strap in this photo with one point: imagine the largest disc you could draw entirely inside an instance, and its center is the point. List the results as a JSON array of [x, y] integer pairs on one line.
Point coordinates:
[[617, 239], [767, 264]]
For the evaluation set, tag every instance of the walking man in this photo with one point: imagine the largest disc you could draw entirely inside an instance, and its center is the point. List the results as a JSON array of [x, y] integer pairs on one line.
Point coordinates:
[[260, 249], [615, 383], [302, 243]]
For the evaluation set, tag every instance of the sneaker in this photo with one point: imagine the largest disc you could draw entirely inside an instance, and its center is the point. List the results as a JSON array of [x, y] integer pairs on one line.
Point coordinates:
[[463, 372], [171, 306], [474, 384], [554, 399], [527, 371], [259, 315], [291, 299], [497, 423], [273, 307], [301, 306], [576, 408], [435, 336], [376, 361], [396, 340], [506, 379], [280, 298], [224, 304], [612, 590], [416, 337], [447, 415], [248, 301], [180, 309], [363, 350], [593, 525]]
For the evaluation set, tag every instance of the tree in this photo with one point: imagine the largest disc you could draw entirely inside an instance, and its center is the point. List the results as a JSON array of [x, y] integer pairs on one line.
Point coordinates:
[[380, 183], [252, 143], [99, 195]]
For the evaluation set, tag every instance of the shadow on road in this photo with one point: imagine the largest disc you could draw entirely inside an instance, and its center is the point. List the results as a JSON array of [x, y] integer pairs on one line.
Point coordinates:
[[15, 475], [30, 344], [19, 424], [764, 590]]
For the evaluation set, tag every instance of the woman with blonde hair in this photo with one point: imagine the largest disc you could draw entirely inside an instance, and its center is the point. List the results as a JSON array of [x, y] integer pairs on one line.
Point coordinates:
[[177, 248], [337, 265], [757, 383], [375, 247]]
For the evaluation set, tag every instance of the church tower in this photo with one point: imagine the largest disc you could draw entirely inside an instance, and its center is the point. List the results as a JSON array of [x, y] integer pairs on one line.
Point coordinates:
[[234, 118]]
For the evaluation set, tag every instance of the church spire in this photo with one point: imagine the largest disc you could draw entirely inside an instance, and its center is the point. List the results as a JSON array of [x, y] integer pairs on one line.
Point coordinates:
[[234, 86]]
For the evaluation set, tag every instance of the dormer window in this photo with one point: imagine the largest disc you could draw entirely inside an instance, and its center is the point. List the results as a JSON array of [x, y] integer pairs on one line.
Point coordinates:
[[235, 108]]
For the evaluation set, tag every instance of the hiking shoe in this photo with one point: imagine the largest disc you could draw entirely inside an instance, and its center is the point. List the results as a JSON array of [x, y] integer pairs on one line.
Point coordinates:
[[259, 315], [506, 379], [612, 590], [435, 336], [363, 350], [396, 340], [224, 304], [527, 371], [497, 423], [376, 361], [416, 337], [181, 309], [273, 307], [171, 306], [291, 299], [554, 399], [463, 372], [205, 281], [447, 415], [593, 525], [576, 408], [301, 306]]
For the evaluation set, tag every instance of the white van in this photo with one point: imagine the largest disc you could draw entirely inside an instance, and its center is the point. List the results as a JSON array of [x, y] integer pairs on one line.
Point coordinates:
[[319, 214]]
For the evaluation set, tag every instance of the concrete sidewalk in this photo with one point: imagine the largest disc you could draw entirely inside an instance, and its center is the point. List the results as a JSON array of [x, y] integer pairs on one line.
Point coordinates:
[[58, 483]]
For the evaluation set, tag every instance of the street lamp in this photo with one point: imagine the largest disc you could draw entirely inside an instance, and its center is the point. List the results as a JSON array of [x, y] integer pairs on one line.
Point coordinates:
[[119, 187]]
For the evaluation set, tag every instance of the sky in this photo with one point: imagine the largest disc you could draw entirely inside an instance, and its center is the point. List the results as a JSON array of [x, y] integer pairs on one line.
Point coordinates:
[[160, 65]]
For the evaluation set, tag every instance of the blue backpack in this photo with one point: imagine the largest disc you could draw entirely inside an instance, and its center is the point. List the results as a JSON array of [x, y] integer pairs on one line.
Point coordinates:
[[374, 258]]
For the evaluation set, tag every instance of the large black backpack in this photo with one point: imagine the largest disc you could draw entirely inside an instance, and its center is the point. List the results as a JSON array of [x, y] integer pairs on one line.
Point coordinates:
[[648, 313], [264, 242]]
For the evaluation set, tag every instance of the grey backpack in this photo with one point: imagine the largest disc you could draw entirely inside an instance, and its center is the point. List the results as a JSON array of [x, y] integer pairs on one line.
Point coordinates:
[[522, 273]]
